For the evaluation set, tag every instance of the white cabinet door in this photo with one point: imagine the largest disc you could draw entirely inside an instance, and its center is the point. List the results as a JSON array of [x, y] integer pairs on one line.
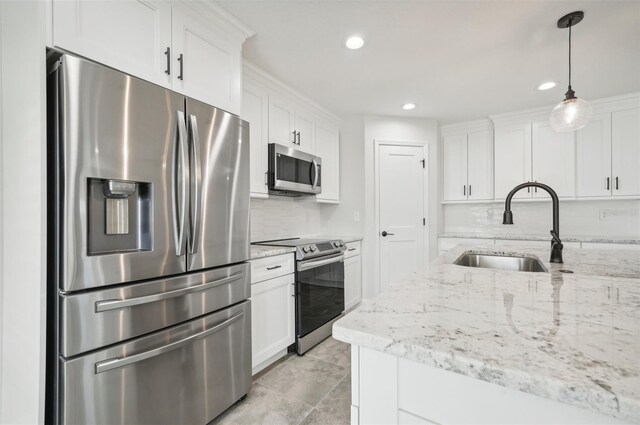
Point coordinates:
[[480, 165], [625, 148], [352, 281], [303, 124], [281, 121], [207, 63], [455, 167], [255, 104], [593, 157], [328, 149], [130, 35], [553, 158], [272, 317], [512, 149]]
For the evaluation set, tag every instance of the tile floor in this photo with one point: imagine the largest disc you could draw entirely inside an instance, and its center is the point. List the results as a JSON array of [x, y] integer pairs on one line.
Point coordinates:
[[314, 389]]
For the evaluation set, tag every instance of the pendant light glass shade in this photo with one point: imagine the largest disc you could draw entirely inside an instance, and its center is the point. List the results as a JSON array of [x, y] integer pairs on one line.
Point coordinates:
[[570, 115]]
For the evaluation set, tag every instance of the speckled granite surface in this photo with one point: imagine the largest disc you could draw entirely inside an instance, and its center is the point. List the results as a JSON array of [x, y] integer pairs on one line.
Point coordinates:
[[511, 236], [573, 338], [261, 251]]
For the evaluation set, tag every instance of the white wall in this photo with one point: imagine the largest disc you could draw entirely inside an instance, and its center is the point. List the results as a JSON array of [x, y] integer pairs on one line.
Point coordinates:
[[22, 212], [396, 129], [614, 218]]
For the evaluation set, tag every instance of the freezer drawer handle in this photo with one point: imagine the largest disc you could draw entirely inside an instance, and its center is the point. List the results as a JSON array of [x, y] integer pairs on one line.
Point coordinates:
[[108, 305], [115, 363]]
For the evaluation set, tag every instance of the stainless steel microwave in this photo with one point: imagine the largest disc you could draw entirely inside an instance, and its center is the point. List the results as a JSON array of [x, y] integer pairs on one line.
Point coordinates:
[[292, 172]]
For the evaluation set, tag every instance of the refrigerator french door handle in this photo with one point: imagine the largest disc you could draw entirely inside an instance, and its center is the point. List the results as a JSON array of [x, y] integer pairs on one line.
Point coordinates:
[[315, 174], [179, 179], [109, 305], [196, 182], [118, 362]]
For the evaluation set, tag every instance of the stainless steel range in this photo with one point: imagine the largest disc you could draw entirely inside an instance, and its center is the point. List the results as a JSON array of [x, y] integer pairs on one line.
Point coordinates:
[[319, 287]]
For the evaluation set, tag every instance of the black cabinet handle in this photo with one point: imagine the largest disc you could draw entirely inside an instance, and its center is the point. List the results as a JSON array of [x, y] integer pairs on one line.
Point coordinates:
[[617, 186], [469, 190], [294, 137], [181, 60], [274, 267], [385, 233], [298, 138], [168, 53], [351, 249], [607, 183], [464, 190]]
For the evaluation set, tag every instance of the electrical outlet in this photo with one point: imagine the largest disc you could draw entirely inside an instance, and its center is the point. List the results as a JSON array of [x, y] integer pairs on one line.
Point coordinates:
[[356, 217]]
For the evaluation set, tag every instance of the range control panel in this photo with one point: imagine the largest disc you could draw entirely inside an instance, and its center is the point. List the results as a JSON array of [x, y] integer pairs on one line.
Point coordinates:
[[319, 249]]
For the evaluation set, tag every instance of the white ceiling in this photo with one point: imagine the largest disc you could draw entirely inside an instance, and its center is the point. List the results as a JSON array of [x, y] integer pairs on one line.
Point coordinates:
[[457, 60]]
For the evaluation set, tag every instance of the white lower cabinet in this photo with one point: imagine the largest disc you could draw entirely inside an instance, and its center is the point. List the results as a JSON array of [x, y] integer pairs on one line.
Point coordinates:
[[352, 275], [272, 316], [393, 390]]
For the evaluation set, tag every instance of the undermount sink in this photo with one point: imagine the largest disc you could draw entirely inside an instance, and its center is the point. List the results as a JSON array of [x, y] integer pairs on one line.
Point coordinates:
[[501, 262]]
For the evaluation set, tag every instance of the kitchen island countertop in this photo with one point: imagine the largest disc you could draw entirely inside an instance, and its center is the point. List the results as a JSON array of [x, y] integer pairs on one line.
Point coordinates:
[[569, 337]]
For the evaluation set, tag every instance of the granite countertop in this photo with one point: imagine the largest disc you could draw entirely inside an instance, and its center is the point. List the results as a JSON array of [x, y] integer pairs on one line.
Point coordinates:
[[261, 251], [512, 236], [573, 338]]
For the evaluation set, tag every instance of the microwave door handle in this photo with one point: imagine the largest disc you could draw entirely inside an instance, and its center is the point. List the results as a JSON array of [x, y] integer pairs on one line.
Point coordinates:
[[179, 178], [118, 362], [312, 264], [196, 183], [315, 173]]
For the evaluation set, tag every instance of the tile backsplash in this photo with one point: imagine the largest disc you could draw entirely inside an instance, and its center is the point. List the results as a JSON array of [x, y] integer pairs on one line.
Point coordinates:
[[615, 218], [281, 217]]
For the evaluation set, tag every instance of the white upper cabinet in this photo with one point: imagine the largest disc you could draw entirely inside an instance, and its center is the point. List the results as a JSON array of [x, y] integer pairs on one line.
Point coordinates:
[[480, 165], [255, 103], [455, 167], [187, 47], [553, 159], [328, 149], [625, 148], [291, 124], [593, 157], [468, 161], [207, 62], [512, 159], [132, 36], [304, 125], [291, 120], [281, 122]]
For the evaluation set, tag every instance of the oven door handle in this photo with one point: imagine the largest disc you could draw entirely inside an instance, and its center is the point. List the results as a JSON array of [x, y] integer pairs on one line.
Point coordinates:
[[312, 264]]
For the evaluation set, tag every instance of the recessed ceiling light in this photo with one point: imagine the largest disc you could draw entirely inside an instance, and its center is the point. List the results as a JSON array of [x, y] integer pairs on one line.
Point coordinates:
[[546, 85], [354, 42], [408, 106]]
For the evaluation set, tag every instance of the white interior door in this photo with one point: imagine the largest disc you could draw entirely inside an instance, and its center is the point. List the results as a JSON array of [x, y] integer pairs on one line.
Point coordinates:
[[401, 201]]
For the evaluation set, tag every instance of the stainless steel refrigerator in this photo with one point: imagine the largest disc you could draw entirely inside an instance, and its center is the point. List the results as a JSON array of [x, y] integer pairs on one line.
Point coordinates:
[[149, 317]]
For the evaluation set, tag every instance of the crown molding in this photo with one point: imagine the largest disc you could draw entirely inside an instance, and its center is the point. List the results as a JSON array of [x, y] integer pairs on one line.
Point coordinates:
[[466, 127], [251, 70], [220, 16]]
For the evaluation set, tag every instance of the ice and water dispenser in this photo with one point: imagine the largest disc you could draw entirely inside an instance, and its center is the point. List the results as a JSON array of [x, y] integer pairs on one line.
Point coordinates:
[[120, 216]]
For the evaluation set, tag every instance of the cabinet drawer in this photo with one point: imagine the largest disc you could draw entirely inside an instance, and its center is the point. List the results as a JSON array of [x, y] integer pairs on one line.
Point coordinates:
[[270, 267], [353, 249]]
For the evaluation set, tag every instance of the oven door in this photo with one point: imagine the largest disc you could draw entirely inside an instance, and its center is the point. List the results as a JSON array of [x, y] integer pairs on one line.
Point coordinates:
[[319, 292], [293, 171]]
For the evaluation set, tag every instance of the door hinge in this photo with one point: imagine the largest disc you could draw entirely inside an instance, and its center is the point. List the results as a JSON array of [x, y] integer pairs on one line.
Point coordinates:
[[424, 163]]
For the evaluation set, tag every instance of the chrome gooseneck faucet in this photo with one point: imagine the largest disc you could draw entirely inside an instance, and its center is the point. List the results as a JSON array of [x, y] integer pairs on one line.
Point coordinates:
[[556, 243]]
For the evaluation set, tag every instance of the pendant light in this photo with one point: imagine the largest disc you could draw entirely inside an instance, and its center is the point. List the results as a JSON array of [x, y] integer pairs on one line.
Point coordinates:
[[572, 113]]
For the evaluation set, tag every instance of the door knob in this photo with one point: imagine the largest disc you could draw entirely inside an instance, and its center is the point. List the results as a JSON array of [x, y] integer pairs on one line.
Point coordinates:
[[385, 233]]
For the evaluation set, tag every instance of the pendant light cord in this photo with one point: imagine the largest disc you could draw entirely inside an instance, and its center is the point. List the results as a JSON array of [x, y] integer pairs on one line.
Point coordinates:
[[570, 25]]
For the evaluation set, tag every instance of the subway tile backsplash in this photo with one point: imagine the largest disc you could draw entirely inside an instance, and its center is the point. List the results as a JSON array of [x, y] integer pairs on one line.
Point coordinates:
[[615, 218]]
